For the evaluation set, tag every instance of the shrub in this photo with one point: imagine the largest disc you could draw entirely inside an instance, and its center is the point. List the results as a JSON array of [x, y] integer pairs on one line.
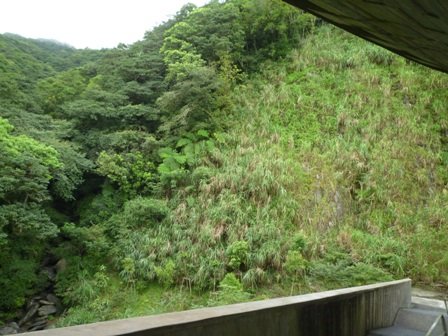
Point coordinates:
[[230, 283], [15, 289], [295, 264], [144, 212], [166, 273], [299, 242], [237, 254], [230, 291]]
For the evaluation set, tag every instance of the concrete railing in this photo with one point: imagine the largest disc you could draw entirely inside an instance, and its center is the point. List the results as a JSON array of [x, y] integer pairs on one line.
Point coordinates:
[[342, 312]]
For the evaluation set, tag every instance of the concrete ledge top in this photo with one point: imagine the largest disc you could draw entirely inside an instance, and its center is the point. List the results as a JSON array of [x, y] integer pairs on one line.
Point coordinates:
[[429, 303], [133, 325]]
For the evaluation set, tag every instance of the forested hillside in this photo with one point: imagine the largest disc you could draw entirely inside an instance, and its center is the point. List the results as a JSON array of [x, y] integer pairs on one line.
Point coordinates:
[[240, 151]]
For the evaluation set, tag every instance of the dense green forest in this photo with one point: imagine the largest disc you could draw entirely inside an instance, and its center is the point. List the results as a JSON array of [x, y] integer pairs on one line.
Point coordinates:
[[241, 150]]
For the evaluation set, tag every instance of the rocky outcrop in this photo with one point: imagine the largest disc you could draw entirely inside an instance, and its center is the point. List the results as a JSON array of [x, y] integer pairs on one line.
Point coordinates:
[[10, 329], [41, 309]]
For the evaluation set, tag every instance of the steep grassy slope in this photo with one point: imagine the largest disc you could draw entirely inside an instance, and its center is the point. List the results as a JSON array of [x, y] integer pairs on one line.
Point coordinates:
[[345, 143], [329, 171], [348, 144]]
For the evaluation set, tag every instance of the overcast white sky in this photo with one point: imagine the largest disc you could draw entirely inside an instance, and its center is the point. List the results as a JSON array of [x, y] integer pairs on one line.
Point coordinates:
[[87, 23]]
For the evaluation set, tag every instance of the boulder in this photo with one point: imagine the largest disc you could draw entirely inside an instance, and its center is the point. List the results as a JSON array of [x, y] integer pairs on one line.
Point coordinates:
[[50, 326], [13, 325], [61, 265], [37, 327], [53, 299], [29, 314], [39, 320], [50, 272], [38, 324], [45, 302], [47, 310], [8, 330]]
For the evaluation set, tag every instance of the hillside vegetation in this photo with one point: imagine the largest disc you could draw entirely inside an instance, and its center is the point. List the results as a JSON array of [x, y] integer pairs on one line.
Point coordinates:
[[242, 150]]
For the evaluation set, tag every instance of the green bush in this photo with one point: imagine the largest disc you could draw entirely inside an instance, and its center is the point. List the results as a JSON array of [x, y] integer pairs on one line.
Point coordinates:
[[345, 273], [299, 242], [237, 254], [143, 212], [16, 289], [166, 273], [230, 283], [96, 209], [295, 264], [230, 291]]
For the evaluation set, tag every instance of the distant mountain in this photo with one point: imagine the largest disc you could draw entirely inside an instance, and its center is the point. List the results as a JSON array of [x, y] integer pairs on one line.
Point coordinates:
[[23, 61], [60, 56], [45, 40], [51, 41]]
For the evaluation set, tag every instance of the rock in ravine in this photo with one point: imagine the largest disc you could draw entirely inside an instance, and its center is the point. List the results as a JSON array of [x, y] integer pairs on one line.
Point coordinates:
[[38, 325], [7, 331], [29, 314], [53, 299], [47, 310], [45, 302]]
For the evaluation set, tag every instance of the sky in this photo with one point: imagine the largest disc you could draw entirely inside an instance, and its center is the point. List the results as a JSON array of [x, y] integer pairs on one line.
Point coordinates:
[[91, 24]]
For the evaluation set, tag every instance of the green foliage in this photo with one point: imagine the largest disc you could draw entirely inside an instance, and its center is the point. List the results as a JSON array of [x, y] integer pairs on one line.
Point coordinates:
[[133, 173], [15, 290], [90, 240], [127, 272], [144, 212], [299, 242], [23, 62], [166, 273], [384, 251], [25, 220], [54, 91], [172, 161], [179, 57], [230, 283], [272, 28], [70, 175], [190, 104], [211, 31], [82, 287], [230, 291], [26, 170], [237, 253], [189, 150], [21, 152], [342, 274], [428, 260], [295, 264], [70, 172], [95, 209]]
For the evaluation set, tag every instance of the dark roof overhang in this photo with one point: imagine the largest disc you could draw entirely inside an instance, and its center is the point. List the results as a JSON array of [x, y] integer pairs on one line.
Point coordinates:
[[415, 29]]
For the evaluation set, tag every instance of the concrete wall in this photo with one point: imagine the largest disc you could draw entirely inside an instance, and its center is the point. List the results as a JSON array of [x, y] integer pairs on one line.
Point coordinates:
[[344, 312]]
